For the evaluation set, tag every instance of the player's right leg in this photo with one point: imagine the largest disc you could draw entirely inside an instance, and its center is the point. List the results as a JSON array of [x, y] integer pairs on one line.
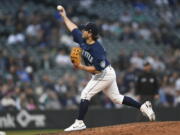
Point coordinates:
[[113, 93]]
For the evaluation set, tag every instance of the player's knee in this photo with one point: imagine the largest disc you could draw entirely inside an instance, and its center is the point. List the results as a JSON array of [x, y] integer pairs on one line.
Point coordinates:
[[118, 99], [85, 95]]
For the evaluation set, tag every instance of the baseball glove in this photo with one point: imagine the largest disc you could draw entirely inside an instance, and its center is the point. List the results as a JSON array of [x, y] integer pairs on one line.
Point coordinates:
[[76, 55]]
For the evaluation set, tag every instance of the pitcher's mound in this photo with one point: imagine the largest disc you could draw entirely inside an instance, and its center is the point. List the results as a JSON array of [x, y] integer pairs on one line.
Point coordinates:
[[143, 128]]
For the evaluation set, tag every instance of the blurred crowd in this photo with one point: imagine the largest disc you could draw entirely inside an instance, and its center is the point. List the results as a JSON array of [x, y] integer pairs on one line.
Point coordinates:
[[44, 45]]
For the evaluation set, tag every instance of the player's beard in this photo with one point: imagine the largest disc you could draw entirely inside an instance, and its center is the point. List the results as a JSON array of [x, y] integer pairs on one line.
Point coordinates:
[[85, 35]]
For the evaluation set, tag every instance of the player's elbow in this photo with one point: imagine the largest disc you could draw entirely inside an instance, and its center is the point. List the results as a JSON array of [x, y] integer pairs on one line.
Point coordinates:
[[72, 28]]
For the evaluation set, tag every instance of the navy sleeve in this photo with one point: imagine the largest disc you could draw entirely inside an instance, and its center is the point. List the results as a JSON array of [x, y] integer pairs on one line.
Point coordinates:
[[77, 35], [99, 64]]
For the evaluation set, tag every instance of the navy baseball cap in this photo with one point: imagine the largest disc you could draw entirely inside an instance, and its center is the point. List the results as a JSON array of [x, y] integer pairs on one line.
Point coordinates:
[[91, 27]]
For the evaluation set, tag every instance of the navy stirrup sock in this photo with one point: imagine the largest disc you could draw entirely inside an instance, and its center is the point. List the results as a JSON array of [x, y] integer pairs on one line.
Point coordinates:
[[83, 109], [131, 102]]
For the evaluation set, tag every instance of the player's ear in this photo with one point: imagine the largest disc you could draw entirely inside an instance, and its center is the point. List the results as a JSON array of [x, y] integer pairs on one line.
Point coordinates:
[[89, 33]]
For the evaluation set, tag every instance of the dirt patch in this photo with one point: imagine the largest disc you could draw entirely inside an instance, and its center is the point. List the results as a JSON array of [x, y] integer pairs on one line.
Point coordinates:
[[143, 128]]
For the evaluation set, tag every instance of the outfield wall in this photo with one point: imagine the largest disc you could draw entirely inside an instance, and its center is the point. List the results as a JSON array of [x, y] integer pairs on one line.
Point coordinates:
[[94, 118]]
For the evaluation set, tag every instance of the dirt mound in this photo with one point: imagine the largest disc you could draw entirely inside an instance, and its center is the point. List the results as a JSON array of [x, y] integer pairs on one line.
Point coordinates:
[[143, 128]]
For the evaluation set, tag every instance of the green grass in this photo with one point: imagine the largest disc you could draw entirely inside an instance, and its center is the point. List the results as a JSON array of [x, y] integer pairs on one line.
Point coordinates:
[[32, 132]]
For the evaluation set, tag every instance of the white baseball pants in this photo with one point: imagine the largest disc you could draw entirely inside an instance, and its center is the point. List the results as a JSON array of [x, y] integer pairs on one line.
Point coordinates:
[[106, 82]]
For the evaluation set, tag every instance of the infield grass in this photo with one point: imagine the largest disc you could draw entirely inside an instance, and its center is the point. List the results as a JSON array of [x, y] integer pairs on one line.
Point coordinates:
[[32, 132]]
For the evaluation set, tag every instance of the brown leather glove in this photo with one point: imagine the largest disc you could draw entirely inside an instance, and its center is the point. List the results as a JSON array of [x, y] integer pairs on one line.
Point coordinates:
[[75, 55]]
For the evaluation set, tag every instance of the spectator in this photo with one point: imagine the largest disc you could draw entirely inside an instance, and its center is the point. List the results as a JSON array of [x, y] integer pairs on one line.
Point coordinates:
[[67, 40], [136, 60], [123, 60], [129, 79], [47, 82], [144, 33], [15, 38], [125, 17], [23, 75], [177, 88], [86, 3], [62, 59], [161, 2], [168, 91], [115, 29], [8, 103], [31, 105], [52, 102], [127, 34], [139, 16], [46, 62]]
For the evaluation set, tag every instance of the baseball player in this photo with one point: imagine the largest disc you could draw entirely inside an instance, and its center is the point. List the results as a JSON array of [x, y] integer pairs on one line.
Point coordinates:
[[103, 74]]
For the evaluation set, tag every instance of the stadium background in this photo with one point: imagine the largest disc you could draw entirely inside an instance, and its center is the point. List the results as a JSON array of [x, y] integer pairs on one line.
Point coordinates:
[[35, 70]]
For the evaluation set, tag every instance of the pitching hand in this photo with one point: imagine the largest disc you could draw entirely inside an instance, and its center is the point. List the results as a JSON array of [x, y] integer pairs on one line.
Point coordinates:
[[62, 12]]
